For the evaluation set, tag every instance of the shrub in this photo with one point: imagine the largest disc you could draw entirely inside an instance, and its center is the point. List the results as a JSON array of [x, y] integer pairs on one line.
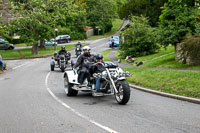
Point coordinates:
[[108, 26], [177, 21], [63, 30], [78, 35], [191, 47], [17, 41], [139, 38], [104, 26]]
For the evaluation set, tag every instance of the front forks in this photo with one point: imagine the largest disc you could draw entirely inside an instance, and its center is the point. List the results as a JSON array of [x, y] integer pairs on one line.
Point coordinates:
[[112, 82]]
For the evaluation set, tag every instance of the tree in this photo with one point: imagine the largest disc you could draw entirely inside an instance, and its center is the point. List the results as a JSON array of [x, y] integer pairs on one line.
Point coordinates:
[[177, 21], [148, 8], [100, 13], [37, 19], [139, 38]]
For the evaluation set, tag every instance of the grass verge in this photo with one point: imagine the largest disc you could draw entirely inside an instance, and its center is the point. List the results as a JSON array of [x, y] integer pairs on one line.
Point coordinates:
[[185, 83], [27, 53], [117, 23], [106, 54]]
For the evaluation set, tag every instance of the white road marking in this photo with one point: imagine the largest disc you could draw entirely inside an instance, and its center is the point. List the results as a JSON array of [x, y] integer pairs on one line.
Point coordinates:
[[34, 60], [21, 65], [97, 40], [74, 111], [100, 46]]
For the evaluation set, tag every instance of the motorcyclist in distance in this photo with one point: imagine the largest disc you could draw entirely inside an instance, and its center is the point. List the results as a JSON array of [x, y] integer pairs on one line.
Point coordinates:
[[63, 51], [84, 62], [79, 45], [78, 49]]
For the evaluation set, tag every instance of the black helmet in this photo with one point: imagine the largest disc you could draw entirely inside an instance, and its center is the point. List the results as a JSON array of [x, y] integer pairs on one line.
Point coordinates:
[[99, 56], [63, 47]]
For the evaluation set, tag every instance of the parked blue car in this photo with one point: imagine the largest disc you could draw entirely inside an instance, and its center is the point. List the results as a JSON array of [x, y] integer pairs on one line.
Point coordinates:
[[49, 43], [116, 41]]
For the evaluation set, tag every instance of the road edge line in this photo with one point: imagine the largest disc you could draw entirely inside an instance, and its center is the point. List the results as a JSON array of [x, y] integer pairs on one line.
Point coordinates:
[[73, 110]]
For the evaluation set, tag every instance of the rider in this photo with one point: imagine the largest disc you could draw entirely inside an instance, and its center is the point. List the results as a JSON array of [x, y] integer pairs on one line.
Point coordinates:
[[64, 52], [83, 63], [99, 67], [78, 48], [79, 45]]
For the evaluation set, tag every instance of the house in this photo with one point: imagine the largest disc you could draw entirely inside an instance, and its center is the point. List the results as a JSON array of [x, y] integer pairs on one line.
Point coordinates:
[[89, 31]]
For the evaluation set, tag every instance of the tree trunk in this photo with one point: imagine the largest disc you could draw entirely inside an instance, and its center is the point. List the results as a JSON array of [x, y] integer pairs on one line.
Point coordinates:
[[176, 52], [35, 49], [42, 44], [193, 3]]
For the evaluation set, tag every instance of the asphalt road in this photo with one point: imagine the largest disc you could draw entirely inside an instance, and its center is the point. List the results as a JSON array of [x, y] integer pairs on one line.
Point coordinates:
[[32, 100]]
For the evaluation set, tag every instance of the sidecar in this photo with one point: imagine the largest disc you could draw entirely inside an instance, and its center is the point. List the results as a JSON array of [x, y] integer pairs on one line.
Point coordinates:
[[59, 61], [54, 61], [71, 84]]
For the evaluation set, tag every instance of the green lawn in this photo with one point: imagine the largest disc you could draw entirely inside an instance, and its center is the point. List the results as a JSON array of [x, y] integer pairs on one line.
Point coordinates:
[[27, 53], [117, 23], [185, 83]]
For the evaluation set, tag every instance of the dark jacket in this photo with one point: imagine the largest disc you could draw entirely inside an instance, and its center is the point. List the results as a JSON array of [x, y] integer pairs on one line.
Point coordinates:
[[97, 68], [85, 61], [64, 52], [79, 45]]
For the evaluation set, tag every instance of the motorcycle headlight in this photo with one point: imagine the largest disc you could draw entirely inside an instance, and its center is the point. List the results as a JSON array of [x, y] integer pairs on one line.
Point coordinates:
[[124, 74], [104, 74], [113, 74], [120, 74], [97, 75], [127, 74]]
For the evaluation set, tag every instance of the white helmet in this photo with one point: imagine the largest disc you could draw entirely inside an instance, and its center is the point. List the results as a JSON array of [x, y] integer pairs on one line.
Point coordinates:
[[86, 48]]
